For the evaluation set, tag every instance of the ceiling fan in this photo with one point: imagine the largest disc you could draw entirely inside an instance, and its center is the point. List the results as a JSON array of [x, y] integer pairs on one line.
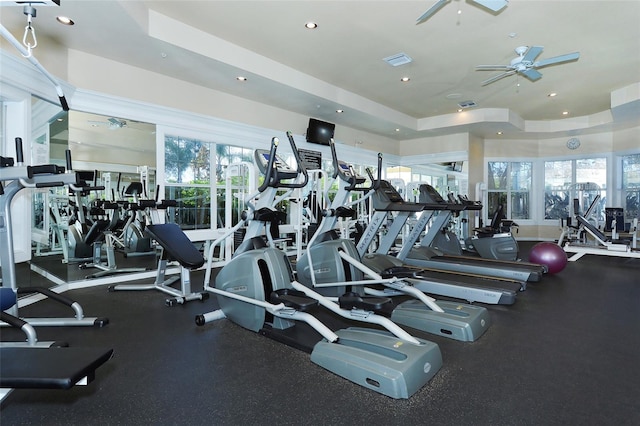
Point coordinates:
[[525, 64], [112, 123], [494, 5]]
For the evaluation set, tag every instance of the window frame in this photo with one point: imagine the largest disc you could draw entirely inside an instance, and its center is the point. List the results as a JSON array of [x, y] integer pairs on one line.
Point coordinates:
[[533, 201]]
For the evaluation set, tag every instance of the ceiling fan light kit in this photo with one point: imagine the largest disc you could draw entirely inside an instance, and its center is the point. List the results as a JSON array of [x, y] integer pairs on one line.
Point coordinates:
[[526, 64]]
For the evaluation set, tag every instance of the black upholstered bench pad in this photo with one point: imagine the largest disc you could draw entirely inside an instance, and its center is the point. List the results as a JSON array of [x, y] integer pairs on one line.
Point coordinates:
[[49, 368], [176, 243]]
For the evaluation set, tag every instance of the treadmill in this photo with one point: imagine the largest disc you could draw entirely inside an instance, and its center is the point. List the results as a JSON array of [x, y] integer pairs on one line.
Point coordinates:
[[425, 256], [469, 286]]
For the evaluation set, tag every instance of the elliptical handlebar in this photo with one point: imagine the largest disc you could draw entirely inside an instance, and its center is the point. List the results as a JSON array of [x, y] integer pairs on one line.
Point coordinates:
[[376, 181], [272, 179], [270, 171], [351, 178], [299, 164]]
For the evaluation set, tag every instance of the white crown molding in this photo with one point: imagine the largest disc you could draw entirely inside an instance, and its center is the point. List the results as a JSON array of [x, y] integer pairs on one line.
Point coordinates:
[[17, 76]]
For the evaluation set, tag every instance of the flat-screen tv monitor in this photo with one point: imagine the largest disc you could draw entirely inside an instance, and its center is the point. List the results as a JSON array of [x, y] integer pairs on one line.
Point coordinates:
[[320, 132]]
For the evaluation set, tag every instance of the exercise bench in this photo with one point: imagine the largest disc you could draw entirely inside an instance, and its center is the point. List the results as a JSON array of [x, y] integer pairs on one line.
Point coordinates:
[[48, 368], [176, 246]]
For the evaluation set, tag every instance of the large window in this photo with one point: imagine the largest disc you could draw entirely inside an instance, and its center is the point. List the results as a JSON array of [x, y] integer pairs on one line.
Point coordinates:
[[187, 180], [509, 184], [631, 186], [572, 185], [195, 178]]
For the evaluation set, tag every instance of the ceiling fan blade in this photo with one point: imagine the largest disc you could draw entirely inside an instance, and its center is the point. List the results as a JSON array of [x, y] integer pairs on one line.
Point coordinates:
[[498, 77], [436, 7], [557, 60], [493, 67], [532, 53], [494, 5], [531, 74]]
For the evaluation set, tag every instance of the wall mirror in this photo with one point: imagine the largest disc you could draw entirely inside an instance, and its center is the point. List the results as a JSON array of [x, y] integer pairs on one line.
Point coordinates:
[[111, 152]]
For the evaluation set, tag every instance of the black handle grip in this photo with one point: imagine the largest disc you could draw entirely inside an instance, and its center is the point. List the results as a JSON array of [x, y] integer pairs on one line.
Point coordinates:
[[19, 152], [49, 184], [67, 156]]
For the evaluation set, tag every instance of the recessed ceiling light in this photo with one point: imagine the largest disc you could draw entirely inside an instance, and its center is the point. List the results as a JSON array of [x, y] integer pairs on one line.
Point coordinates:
[[64, 20], [311, 25], [397, 130], [405, 79], [565, 112], [339, 111], [552, 94], [460, 110], [240, 78], [499, 133]]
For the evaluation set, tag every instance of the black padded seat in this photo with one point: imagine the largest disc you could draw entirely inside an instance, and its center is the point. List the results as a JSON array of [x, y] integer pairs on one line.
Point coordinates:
[[7, 298], [176, 244], [49, 368]]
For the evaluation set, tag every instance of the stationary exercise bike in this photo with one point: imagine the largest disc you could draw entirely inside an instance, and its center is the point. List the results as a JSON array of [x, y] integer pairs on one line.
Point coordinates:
[[256, 290]]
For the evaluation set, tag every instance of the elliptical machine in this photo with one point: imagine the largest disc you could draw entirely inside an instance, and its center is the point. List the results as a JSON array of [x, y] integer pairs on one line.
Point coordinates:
[[256, 290]]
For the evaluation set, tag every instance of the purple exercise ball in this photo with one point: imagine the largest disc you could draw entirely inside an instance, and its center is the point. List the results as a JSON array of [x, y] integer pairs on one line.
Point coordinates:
[[549, 254]]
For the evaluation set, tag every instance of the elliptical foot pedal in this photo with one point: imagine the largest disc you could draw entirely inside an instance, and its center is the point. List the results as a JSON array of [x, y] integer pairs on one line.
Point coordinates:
[[399, 272], [294, 299], [379, 361], [459, 321], [380, 305]]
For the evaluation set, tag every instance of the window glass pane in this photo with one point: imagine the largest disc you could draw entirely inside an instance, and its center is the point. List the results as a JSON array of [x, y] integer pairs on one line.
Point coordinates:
[[631, 171], [520, 205], [399, 172], [631, 186], [498, 175], [194, 206], [186, 160], [521, 176], [557, 179], [494, 199], [226, 155], [510, 185], [592, 170]]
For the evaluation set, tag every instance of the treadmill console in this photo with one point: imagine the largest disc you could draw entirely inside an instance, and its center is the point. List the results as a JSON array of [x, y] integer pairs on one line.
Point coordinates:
[[390, 193], [429, 195]]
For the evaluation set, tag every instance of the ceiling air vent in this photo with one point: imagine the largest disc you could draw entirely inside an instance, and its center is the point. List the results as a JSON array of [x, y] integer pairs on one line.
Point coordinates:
[[397, 59], [467, 104]]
